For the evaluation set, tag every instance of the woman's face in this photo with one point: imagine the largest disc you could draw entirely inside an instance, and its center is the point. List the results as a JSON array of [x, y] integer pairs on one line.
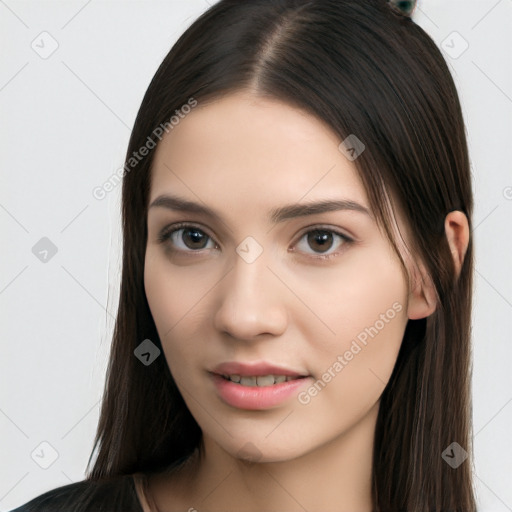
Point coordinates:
[[253, 284]]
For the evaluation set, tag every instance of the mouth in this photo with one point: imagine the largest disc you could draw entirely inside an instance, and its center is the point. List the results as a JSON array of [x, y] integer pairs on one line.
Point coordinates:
[[260, 380], [257, 386], [259, 373]]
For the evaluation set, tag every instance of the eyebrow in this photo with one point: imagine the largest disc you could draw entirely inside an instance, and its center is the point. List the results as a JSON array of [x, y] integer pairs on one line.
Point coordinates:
[[276, 215]]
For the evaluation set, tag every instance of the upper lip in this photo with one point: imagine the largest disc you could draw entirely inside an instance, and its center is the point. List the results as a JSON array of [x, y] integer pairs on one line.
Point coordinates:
[[255, 369]]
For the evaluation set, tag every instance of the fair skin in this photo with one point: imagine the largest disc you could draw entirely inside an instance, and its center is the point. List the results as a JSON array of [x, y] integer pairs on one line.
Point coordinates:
[[243, 156]]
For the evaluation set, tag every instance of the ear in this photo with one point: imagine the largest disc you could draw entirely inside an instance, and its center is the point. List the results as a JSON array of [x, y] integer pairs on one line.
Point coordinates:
[[456, 227], [422, 296]]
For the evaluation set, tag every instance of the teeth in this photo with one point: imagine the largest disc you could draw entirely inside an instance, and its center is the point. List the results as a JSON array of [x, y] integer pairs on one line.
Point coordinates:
[[248, 381], [260, 380], [266, 380]]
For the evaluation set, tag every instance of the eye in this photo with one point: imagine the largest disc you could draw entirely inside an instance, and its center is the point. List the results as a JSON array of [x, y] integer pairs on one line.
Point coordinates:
[[189, 238], [186, 238], [322, 240]]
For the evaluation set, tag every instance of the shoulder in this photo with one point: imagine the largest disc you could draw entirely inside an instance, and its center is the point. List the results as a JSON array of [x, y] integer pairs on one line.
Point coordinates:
[[112, 495]]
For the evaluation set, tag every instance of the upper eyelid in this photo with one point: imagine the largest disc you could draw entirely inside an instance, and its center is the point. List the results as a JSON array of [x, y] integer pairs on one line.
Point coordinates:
[[171, 228]]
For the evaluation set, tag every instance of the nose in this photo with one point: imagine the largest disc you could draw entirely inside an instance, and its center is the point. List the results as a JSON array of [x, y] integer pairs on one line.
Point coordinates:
[[251, 301]]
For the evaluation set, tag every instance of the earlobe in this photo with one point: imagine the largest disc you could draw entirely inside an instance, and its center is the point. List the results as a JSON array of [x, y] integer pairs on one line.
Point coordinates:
[[422, 296], [456, 227]]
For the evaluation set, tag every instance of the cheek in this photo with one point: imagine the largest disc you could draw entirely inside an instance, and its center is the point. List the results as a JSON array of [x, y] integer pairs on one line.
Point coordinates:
[[175, 299], [366, 309], [171, 294], [352, 296], [161, 294]]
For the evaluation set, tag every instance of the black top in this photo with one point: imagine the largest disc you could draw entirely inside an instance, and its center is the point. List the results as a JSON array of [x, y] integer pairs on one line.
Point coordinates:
[[113, 495]]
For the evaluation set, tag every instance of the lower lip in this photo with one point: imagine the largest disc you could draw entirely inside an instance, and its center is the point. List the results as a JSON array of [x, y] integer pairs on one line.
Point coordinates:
[[256, 397]]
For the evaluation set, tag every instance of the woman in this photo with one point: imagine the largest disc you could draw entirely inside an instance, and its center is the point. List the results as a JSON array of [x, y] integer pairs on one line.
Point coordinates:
[[294, 319]]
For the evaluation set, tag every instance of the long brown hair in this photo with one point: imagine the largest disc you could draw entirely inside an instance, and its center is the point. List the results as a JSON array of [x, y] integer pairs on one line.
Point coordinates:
[[364, 68]]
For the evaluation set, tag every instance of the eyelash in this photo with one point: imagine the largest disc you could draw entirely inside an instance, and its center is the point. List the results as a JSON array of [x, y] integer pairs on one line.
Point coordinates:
[[166, 233]]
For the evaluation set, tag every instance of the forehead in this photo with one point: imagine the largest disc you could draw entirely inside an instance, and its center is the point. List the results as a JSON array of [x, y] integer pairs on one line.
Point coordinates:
[[244, 148]]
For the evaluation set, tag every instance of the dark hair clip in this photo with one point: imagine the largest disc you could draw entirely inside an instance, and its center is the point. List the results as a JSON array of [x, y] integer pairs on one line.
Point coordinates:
[[406, 7]]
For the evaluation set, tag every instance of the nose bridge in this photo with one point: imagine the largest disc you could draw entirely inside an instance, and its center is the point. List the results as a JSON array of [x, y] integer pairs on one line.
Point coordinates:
[[250, 269], [250, 302], [250, 275]]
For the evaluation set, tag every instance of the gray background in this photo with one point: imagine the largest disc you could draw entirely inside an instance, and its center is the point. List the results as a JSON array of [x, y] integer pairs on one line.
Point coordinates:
[[65, 123]]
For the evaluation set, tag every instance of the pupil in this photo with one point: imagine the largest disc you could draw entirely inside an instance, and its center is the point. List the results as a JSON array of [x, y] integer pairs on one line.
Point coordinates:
[[323, 238], [193, 236]]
